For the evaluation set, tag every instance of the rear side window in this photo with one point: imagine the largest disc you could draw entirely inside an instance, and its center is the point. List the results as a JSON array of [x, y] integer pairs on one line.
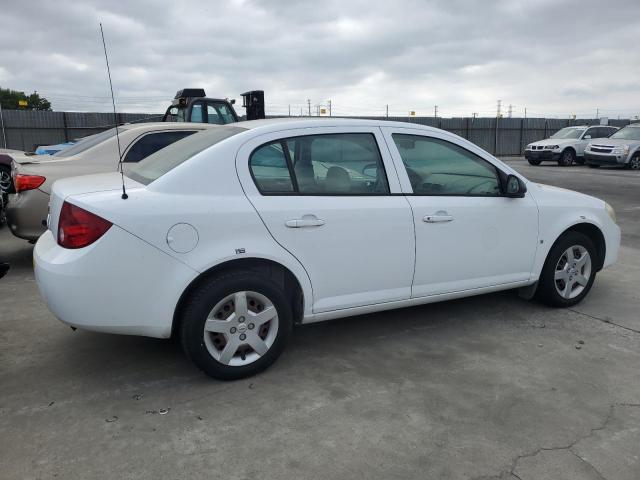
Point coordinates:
[[438, 167], [152, 142], [332, 164], [270, 169]]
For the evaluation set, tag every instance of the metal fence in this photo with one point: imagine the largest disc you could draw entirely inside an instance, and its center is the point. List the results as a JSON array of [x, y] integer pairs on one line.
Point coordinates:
[[26, 130]]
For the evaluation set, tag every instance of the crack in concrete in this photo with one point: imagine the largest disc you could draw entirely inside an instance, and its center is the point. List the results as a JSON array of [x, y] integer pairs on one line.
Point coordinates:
[[604, 320], [569, 447]]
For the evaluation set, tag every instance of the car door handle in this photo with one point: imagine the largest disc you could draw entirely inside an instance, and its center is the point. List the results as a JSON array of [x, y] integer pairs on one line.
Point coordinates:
[[304, 222], [437, 218]]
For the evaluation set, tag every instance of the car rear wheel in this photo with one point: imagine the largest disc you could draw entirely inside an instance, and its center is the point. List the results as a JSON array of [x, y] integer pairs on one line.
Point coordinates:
[[569, 271], [634, 163], [236, 324], [534, 161], [567, 158], [5, 179]]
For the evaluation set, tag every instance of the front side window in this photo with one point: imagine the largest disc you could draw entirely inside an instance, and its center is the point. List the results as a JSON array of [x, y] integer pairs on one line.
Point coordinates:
[[593, 133], [331, 164], [153, 142], [438, 167]]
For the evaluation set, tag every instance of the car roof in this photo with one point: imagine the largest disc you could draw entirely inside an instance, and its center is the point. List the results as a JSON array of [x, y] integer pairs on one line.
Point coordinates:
[[277, 124], [149, 126]]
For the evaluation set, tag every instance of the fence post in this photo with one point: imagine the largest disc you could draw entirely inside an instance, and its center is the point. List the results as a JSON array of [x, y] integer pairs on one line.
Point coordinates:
[[495, 140], [65, 126], [521, 136]]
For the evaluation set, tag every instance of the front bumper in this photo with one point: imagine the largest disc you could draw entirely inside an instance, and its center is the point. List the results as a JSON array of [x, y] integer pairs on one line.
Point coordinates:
[[119, 284], [542, 155], [27, 214], [605, 159]]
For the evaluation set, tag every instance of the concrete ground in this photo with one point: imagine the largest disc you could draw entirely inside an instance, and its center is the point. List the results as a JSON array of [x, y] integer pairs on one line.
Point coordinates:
[[482, 388]]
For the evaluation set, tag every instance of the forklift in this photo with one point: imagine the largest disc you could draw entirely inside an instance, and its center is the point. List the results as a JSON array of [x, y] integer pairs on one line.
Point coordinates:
[[192, 105]]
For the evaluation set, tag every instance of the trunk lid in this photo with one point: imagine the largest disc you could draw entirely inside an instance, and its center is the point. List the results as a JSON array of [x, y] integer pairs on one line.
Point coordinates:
[[87, 184]]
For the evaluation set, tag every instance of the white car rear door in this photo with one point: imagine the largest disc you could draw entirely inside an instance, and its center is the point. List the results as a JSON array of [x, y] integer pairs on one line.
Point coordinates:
[[327, 196]]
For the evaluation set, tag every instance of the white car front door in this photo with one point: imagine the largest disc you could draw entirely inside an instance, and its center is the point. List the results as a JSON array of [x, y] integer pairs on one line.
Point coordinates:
[[468, 235], [327, 196]]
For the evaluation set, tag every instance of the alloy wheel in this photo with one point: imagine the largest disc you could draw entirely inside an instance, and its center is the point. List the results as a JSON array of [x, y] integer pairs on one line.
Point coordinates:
[[241, 328], [5, 181], [573, 271], [634, 164]]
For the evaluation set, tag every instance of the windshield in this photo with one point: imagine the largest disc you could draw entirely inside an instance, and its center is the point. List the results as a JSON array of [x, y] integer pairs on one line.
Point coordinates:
[[165, 160], [628, 133], [86, 143], [569, 132]]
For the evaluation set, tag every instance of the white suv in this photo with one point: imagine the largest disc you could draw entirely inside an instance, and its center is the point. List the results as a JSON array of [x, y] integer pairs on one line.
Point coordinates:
[[566, 146], [231, 236]]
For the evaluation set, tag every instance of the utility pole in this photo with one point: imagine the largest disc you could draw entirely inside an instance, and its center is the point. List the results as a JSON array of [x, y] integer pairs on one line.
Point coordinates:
[[474, 115], [387, 110], [510, 110], [289, 109], [525, 112], [435, 111], [4, 137], [329, 105], [309, 105], [597, 113], [499, 110]]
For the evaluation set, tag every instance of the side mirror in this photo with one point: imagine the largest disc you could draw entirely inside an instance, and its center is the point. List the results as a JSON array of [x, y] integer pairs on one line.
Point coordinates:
[[514, 187], [587, 137]]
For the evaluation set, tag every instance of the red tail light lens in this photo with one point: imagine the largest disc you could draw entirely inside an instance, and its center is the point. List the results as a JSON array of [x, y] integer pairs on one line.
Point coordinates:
[[27, 182], [78, 228]]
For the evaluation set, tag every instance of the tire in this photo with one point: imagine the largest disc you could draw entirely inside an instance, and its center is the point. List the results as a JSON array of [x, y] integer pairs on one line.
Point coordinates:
[[593, 165], [567, 157], [559, 284], [5, 180], [534, 162], [634, 163], [218, 303]]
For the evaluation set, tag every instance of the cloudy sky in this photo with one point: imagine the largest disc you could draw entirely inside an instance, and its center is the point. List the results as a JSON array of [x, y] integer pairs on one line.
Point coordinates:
[[554, 57]]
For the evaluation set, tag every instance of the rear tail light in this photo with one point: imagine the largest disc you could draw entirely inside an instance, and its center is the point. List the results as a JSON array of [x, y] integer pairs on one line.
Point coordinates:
[[27, 182], [78, 228]]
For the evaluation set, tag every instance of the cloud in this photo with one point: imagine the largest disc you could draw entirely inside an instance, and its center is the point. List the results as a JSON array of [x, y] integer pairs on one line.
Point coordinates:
[[553, 57]]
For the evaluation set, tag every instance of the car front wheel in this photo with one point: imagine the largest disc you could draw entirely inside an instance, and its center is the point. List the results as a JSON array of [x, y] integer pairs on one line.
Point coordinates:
[[236, 324], [534, 161], [634, 163], [569, 271]]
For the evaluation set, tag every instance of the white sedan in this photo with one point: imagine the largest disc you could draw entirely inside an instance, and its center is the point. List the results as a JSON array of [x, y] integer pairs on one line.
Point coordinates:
[[231, 236]]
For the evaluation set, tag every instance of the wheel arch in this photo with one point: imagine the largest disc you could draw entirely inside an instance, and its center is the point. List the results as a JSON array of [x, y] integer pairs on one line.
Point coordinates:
[[594, 233], [275, 270]]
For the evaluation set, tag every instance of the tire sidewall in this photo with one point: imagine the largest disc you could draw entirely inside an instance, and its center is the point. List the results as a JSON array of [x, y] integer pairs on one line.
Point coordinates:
[[547, 291], [202, 301], [534, 162], [571, 156]]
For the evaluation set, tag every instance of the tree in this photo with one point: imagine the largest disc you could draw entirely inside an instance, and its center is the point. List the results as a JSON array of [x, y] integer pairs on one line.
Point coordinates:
[[9, 99]]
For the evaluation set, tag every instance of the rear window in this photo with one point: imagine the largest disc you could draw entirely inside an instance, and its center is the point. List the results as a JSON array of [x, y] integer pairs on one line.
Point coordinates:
[[87, 142], [165, 160]]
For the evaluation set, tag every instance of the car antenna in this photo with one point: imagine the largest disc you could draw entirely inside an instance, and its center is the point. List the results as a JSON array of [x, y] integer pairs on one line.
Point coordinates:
[[115, 116]]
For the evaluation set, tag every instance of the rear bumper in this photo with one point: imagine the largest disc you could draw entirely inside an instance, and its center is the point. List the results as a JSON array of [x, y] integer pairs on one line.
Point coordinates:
[[119, 284], [541, 155], [605, 159], [27, 214]]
